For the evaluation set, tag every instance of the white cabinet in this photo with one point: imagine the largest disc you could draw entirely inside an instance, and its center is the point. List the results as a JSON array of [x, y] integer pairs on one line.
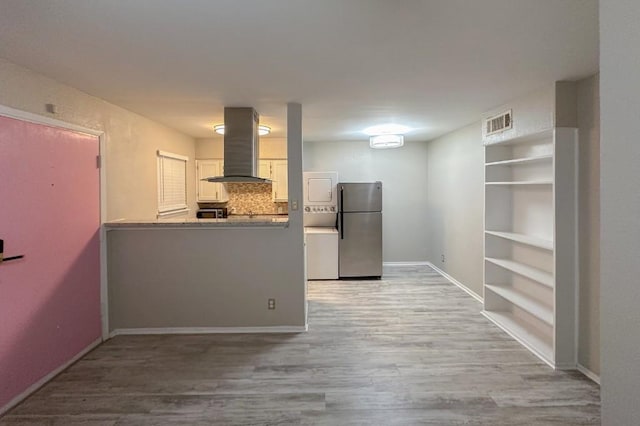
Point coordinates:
[[529, 241], [210, 191], [277, 171], [264, 169], [280, 175]]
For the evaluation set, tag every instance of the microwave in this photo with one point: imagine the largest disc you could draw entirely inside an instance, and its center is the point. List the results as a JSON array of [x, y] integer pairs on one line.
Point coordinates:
[[214, 213]]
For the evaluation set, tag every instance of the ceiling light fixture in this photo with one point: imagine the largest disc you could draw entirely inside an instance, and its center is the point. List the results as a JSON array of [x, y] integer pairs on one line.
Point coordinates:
[[262, 130], [386, 129], [386, 141]]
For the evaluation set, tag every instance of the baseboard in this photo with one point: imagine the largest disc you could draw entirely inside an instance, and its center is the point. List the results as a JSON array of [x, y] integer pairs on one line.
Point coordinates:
[[37, 385], [523, 342], [405, 263], [590, 374], [209, 330], [456, 282]]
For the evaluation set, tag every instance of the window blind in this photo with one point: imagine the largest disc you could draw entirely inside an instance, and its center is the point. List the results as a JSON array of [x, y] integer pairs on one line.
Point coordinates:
[[172, 182]]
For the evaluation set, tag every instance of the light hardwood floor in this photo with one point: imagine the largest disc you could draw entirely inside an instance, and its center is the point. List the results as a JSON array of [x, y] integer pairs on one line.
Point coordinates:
[[408, 349]]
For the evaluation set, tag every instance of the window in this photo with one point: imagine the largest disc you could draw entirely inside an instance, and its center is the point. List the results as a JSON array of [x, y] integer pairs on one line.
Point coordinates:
[[172, 183]]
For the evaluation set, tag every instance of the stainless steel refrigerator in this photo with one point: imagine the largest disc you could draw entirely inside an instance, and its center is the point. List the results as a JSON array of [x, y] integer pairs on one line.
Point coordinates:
[[360, 229]]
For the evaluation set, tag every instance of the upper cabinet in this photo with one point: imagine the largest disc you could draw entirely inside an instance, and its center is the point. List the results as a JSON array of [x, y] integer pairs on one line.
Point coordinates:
[[277, 172], [264, 169], [209, 191], [280, 187]]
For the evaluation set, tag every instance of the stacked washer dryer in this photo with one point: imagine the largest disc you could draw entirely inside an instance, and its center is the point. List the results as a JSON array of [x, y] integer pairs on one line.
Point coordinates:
[[320, 219]]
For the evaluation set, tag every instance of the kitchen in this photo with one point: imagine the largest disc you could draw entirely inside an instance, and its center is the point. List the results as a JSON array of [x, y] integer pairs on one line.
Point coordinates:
[[253, 230], [162, 274]]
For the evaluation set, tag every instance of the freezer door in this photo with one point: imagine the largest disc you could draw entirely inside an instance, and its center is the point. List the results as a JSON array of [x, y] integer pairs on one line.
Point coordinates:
[[360, 197], [360, 245]]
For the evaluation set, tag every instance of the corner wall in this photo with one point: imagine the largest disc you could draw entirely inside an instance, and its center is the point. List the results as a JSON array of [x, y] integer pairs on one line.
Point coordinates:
[[131, 140], [455, 215]]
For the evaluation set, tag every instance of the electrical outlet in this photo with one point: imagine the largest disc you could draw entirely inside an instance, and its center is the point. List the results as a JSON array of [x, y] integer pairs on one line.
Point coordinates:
[[271, 304], [443, 258]]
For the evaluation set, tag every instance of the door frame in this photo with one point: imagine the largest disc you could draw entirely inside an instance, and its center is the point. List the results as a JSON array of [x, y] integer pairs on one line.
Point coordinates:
[[30, 117]]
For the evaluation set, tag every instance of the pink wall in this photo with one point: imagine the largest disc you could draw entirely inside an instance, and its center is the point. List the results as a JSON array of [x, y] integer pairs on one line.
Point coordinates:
[[50, 212]]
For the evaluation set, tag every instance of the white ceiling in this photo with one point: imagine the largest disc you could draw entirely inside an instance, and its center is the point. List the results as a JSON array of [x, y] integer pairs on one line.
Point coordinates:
[[434, 65]]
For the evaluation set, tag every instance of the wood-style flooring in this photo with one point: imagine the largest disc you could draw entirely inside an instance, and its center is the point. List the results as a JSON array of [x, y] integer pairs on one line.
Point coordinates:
[[405, 350]]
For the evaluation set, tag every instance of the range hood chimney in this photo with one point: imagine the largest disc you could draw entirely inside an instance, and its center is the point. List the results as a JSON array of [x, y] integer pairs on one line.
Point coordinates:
[[240, 147]]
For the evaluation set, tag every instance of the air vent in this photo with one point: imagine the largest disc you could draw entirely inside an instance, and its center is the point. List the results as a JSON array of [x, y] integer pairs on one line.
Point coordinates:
[[498, 123]]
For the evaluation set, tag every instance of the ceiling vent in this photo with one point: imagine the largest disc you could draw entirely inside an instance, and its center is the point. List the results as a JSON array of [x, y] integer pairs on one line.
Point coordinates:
[[498, 123]]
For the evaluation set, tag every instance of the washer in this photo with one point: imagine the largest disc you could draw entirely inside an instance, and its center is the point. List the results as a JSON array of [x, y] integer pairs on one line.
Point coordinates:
[[322, 253]]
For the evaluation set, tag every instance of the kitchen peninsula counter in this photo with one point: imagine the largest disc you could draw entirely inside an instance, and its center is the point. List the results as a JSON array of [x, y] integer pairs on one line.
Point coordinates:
[[271, 221]]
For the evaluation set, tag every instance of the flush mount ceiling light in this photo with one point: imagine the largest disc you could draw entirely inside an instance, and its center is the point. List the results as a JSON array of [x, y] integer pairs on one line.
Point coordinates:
[[386, 129], [386, 141], [262, 130]]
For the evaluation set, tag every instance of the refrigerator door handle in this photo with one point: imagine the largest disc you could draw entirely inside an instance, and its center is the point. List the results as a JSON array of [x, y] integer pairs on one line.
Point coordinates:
[[341, 214]]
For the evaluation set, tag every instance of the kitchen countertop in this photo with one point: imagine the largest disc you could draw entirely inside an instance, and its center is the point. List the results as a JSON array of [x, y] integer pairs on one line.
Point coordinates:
[[234, 221]]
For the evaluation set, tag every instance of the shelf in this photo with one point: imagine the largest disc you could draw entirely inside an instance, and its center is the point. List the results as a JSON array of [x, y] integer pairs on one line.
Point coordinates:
[[533, 137], [523, 239], [525, 160], [524, 182], [521, 300], [531, 340], [526, 271]]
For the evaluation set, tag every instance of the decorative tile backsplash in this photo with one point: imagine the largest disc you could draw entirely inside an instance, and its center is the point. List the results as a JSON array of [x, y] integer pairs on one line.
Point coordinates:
[[254, 198]]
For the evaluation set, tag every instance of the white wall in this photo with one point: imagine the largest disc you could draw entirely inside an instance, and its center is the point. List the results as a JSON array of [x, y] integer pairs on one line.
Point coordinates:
[[620, 211], [588, 111], [455, 212], [403, 173], [131, 140]]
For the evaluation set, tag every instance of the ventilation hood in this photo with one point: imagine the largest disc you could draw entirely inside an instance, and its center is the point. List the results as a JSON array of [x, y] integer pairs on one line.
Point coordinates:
[[240, 147]]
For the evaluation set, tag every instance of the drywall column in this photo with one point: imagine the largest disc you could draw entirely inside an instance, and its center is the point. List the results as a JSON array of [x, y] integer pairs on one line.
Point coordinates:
[[296, 257], [620, 211]]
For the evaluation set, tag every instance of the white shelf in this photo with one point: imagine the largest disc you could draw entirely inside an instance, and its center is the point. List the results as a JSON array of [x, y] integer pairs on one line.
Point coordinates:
[[523, 239], [524, 182], [534, 137], [536, 343], [530, 188], [542, 277], [525, 160], [535, 308]]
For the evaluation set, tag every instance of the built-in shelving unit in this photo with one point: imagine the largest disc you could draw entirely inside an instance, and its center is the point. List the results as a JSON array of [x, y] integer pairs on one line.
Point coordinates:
[[523, 182], [529, 242]]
